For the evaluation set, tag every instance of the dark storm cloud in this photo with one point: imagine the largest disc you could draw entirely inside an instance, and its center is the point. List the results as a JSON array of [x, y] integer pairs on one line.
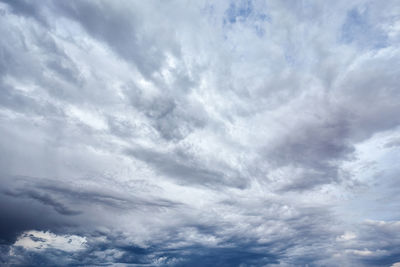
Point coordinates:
[[49, 192], [233, 251], [130, 254], [36, 215], [46, 200], [66, 202]]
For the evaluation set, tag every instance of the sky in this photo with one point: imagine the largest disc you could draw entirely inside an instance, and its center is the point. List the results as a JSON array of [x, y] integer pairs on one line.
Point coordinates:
[[200, 133]]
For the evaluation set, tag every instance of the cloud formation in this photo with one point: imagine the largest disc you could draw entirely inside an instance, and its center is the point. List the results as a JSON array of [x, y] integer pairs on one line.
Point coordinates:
[[177, 133]]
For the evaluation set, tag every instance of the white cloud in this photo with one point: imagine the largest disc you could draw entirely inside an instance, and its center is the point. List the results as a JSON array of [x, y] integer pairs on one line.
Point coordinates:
[[38, 240], [347, 236]]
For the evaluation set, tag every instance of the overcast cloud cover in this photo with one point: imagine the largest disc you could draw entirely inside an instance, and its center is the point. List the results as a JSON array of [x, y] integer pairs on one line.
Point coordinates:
[[200, 133]]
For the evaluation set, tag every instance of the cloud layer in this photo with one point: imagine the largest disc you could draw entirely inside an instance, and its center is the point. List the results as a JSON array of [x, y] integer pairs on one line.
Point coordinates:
[[177, 133]]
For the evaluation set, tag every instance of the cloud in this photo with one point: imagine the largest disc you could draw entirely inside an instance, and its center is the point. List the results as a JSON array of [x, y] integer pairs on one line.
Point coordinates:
[[179, 167], [375, 244], [34, 240], [393, 143], [244, 133]]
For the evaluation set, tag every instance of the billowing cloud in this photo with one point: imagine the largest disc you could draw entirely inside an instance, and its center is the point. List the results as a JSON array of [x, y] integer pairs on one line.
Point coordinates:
[[229, 133]]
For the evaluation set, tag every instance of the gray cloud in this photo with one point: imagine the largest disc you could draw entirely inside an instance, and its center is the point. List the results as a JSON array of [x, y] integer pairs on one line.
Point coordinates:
[[186, 170], [175, 133]]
